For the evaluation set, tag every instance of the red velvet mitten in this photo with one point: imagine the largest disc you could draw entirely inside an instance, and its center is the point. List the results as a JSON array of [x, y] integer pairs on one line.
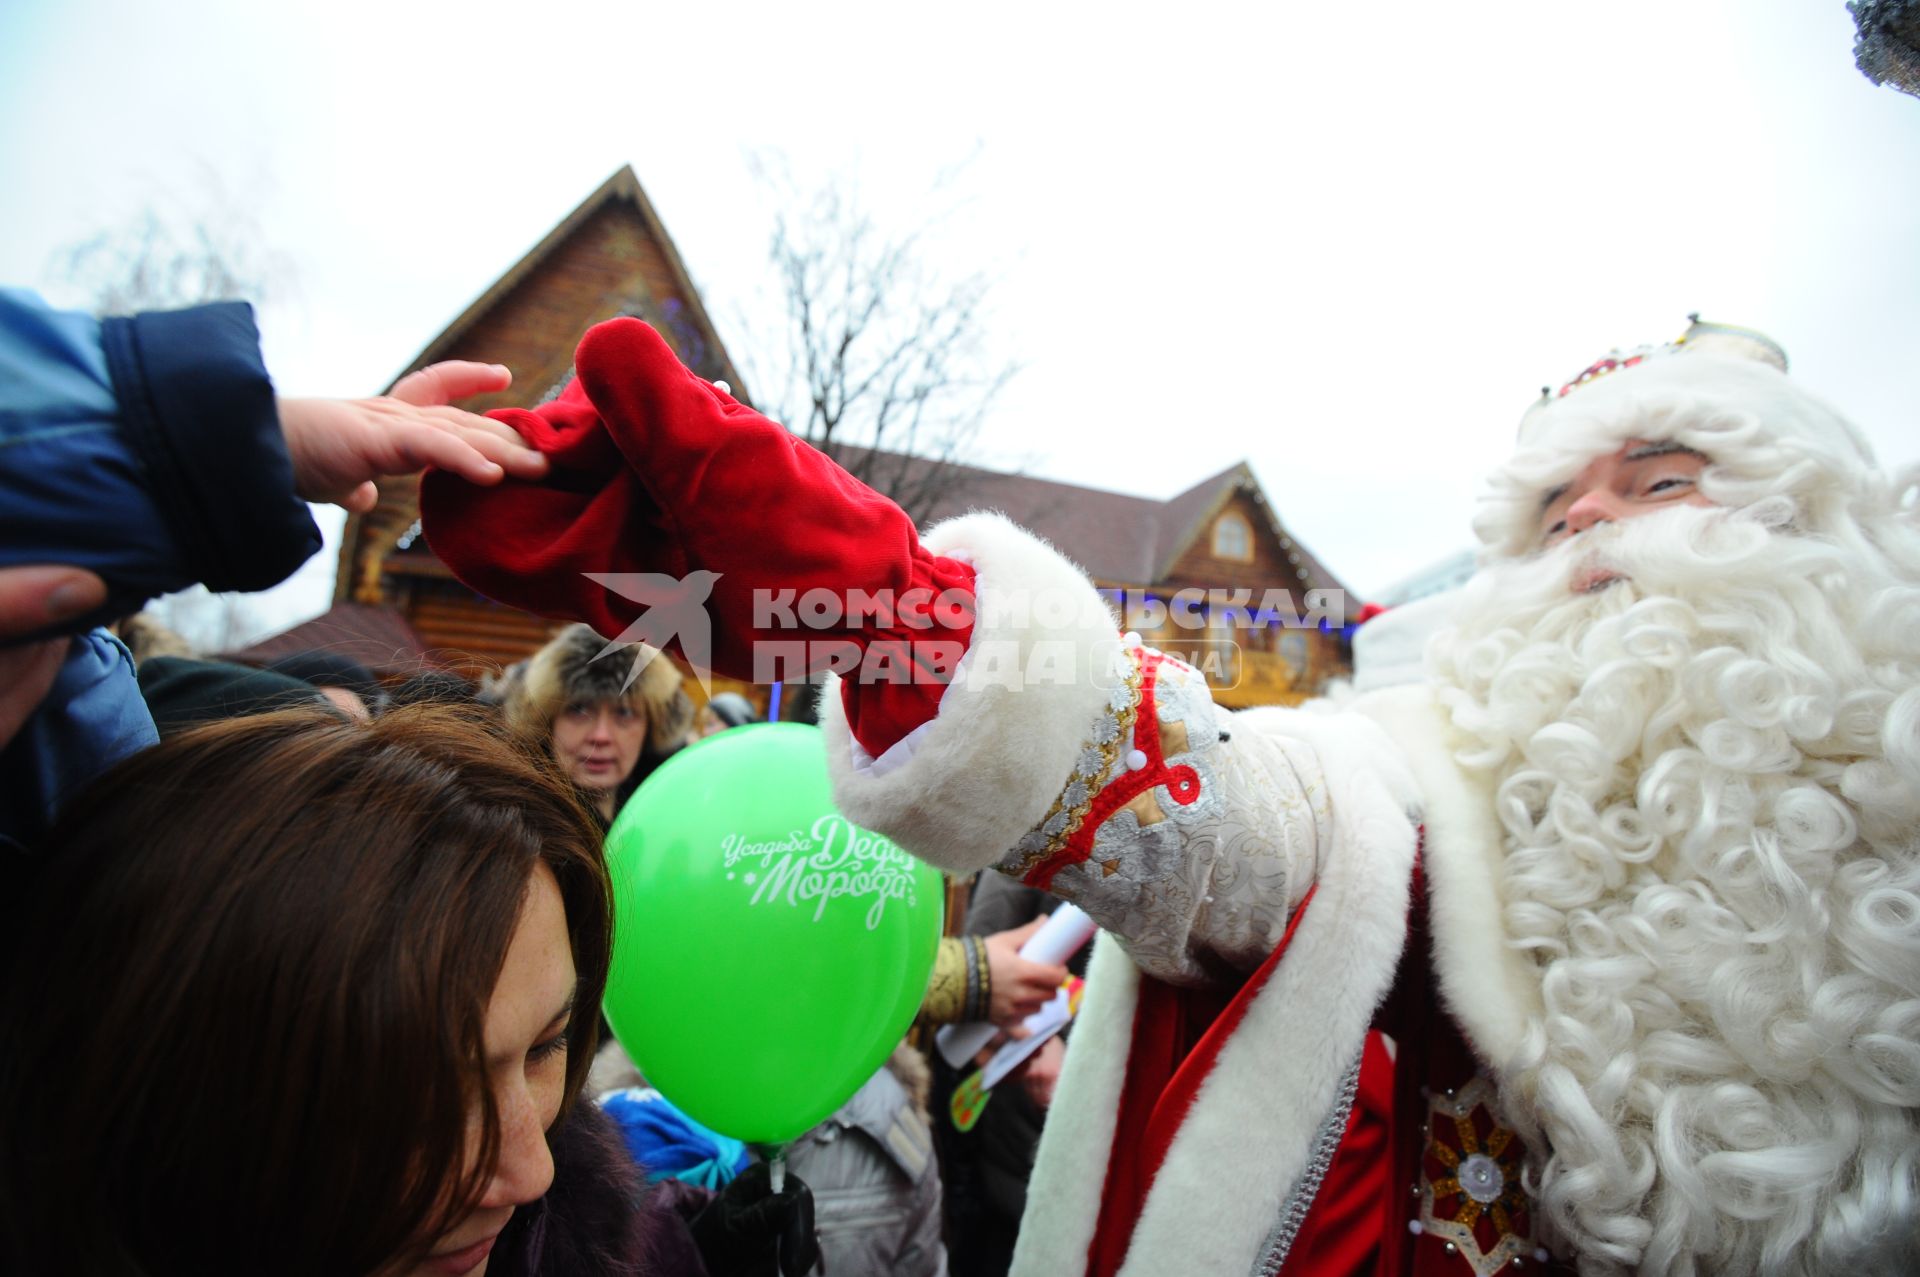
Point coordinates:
[[657, 471]]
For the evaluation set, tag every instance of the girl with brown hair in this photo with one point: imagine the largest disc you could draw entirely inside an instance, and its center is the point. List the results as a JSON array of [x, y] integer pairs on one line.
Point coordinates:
[[303, 996]]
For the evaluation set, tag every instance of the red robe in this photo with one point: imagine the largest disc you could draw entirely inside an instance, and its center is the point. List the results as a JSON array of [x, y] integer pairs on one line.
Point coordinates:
[[1426, 1179]]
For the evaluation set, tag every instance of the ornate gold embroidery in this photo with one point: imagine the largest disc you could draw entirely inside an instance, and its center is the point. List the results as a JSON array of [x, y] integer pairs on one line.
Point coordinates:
[[1112, 737], [947, 988]]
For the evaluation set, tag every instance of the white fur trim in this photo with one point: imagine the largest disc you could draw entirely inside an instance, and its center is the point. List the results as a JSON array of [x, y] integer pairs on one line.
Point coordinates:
[[1391, 649], [1491, 990], [983, 772], [1247, 1139], [1063, 1197], [896, 756]]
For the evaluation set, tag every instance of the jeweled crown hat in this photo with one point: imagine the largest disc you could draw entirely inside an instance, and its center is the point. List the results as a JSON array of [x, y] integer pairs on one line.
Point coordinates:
[[1718, 389], [1701, 337]]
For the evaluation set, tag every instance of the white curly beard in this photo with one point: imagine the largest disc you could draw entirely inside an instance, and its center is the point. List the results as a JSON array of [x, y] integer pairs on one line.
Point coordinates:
[[1708, 774]]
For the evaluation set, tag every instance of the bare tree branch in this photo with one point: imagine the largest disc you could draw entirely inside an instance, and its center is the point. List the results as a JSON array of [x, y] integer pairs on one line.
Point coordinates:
[[885, 363], [207, 248]]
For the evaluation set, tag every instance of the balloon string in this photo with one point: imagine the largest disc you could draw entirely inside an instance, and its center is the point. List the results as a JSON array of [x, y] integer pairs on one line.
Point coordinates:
[[777, 1178]]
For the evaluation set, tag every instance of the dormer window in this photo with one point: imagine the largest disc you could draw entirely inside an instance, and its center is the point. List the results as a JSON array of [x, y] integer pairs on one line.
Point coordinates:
[[1233, 537]]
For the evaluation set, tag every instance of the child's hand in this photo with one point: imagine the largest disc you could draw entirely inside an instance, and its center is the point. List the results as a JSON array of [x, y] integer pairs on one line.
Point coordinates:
[[1017, 987], [340, 446], [1041, 1074]]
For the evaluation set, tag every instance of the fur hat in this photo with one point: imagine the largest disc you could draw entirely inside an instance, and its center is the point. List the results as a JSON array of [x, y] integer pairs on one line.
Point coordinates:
[[571, 668]]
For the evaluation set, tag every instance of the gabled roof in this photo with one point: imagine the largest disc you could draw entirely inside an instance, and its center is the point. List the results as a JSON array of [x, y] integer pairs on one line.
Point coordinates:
[[623, 185], [1116, 539], [1188, 516]]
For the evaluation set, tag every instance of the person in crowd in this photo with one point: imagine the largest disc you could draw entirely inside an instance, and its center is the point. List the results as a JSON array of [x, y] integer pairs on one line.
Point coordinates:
[[607, 727], [1631, 877], [142, 454], [986, 1168], [351, 687], [875, 1181], [433, 687], [297, 994], [184, 691], [983, 978], [723, 710]]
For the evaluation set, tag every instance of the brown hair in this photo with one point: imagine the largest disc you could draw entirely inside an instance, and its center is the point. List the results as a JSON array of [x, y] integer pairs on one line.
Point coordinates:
[[246, 1004]]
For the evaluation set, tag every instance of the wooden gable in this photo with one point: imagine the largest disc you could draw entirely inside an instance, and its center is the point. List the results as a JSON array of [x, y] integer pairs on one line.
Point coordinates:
[[1264, 565], [1267, 665], [1274, 559]]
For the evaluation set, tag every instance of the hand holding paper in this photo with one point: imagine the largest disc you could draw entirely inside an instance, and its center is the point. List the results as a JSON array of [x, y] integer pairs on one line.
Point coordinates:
[[1058, 939]]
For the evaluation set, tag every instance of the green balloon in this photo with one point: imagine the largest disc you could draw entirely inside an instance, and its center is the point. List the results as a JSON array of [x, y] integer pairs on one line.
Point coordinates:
[[767, 954]]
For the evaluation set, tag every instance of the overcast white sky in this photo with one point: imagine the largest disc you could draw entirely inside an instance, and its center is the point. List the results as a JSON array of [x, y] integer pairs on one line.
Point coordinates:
[[1345, 242]]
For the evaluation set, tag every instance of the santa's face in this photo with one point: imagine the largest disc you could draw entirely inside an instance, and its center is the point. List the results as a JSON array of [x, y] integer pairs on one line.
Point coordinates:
[[1638, 478]]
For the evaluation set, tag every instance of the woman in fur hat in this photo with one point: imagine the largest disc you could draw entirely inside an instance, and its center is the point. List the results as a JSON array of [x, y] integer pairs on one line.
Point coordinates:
[[608, 726]]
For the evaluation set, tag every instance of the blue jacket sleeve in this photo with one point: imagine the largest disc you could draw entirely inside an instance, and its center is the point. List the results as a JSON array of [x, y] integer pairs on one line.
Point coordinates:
[[92, 718], [147, 449]]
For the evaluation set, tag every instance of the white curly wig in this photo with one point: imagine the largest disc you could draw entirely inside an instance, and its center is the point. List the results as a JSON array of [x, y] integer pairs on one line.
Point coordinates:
[[1708, 777]]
